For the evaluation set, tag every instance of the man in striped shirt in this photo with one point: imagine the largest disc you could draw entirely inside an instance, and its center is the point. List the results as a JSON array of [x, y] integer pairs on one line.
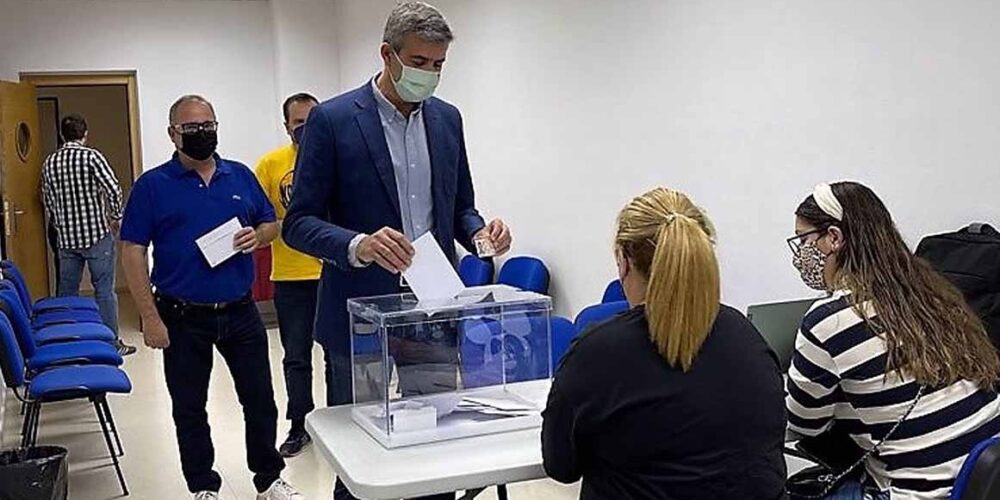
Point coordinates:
[[83, 200]]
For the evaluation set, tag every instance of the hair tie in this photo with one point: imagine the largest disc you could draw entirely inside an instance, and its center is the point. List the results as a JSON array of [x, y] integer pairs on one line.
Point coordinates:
[[828, 202]]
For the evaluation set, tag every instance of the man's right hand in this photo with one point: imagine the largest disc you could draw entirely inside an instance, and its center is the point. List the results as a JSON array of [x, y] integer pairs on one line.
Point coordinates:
[[155, 333], [388, 248]]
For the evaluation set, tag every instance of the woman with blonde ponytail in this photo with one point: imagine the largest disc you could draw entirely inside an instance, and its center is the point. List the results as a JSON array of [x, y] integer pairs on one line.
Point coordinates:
[[679, 397]]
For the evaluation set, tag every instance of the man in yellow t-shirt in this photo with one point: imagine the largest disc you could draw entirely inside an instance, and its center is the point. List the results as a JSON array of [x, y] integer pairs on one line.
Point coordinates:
[[295, 276]]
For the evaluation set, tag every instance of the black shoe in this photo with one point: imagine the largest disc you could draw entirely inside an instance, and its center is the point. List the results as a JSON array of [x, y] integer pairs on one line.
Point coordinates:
[[123, 348], [296, 442]]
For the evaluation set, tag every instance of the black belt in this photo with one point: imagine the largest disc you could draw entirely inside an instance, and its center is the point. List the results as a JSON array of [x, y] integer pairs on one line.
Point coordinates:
[[215, 306]]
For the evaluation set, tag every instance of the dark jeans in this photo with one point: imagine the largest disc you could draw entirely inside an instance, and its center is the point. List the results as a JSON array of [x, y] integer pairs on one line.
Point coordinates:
[[239, 335], [100, 259], [295, 304], [339, 378]]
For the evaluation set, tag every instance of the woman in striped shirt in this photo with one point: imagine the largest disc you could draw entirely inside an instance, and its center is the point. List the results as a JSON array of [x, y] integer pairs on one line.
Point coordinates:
[[891, 326]]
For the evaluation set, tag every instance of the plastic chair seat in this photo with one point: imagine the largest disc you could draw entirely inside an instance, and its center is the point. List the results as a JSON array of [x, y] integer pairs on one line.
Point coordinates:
[[57, 383], [979, 478], [74, 332], [526, 273], [613, 293], [88, 352], [563, 333], [64, 316], [475, 271], [62, 303], [599, 312]]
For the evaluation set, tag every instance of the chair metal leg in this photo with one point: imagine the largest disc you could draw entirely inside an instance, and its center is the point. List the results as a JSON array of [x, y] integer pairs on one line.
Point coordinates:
[[111, 420], [28, 427], [111, 448], [471, 494], [25, 422], [36, 423], [502, 491]]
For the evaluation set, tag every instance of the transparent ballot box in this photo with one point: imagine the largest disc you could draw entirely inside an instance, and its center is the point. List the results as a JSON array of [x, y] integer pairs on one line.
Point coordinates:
[[431, 371]]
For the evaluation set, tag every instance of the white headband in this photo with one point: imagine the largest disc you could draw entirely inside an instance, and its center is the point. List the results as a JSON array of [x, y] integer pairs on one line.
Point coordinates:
[[828, 202]]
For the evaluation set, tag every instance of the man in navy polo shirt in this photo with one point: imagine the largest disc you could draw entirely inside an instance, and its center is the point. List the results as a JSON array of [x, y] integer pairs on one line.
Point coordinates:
[[188, 307]]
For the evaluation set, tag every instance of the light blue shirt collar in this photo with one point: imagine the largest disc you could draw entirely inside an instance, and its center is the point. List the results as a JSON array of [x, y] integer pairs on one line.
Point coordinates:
[[386, 108]]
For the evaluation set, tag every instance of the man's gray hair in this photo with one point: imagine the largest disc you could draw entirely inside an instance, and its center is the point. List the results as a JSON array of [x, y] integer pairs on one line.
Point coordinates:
[[186, 99], [419, 18]]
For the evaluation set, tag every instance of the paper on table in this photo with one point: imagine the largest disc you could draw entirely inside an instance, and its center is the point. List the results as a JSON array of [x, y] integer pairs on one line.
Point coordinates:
[[496, 404], [217, 244], [431, 276]]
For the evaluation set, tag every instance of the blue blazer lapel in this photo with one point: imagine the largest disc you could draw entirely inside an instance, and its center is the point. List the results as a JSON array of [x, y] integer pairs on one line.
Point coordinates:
[[371, 128], [442, 169]]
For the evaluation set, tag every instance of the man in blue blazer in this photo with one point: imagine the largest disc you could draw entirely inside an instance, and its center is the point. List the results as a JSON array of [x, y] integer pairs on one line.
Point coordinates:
[[378, 167]]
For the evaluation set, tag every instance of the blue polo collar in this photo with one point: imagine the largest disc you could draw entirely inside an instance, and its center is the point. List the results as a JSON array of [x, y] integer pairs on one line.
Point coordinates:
[[176, 169]]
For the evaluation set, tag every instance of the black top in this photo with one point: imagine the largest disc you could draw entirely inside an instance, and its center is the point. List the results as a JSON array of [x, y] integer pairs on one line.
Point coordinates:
[[635, 428]]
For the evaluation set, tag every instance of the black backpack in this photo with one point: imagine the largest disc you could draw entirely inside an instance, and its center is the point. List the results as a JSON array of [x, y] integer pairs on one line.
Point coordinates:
[[970, 259]]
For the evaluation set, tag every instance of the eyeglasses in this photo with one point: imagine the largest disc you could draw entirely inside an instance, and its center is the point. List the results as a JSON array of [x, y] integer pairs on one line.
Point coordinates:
[[194, 127], [795, 242]]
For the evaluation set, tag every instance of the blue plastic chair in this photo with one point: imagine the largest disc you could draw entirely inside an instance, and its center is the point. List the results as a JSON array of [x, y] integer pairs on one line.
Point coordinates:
[[614, 292], [53, 310], [50, 334], [597, 313], [40, 358], [14, 274], [62, 384], [475, 271], [563, 333], [979, 478], [526, 273]]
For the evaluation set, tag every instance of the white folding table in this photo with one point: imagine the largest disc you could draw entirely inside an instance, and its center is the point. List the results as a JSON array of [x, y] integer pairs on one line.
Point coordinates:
[[373, 472]]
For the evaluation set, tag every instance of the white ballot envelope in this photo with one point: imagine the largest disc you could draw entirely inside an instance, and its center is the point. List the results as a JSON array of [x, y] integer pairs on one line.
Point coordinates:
[[217, 244], [431, 276]]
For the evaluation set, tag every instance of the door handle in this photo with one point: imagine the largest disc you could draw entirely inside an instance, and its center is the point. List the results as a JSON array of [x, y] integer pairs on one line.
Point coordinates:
[[8, 220], [10, 214]]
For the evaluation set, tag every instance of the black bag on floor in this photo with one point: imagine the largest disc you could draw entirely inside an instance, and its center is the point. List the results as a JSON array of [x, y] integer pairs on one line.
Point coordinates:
[[970, 259], [39, 473]]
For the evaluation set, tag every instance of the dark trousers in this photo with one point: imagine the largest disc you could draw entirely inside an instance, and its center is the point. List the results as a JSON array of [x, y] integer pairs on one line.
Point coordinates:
[[295, 304], [239, 335], [339, 377]]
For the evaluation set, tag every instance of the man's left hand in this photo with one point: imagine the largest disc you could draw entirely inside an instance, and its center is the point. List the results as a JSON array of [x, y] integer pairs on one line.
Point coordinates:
[[499, 235], [246, 240]]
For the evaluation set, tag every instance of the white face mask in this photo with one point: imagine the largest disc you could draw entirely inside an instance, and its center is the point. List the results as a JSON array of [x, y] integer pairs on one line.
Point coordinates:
[[415, 85]]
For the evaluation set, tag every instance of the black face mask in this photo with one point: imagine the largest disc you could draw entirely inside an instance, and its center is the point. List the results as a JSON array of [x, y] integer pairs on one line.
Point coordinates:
[[199, 145]]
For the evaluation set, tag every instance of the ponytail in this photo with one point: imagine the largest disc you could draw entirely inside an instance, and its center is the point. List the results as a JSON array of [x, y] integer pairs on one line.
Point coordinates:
[[671, 241], [682, 298]]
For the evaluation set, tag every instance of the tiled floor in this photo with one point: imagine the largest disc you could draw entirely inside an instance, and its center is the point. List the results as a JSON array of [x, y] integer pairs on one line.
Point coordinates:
[[151, 464]]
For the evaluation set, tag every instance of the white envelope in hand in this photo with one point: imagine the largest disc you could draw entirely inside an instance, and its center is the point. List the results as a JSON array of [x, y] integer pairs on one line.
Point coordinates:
[[217, 244]]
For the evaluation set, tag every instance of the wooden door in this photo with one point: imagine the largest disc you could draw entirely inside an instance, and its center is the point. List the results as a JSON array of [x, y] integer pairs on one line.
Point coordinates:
[[20, 172]]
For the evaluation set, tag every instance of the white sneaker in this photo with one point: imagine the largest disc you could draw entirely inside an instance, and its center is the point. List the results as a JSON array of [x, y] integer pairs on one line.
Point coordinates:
[[206, 495], [280, 490]]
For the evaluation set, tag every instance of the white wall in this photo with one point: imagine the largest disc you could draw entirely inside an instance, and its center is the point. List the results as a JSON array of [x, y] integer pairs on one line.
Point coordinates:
[[573, 106], [306, 48], [221, 49]]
